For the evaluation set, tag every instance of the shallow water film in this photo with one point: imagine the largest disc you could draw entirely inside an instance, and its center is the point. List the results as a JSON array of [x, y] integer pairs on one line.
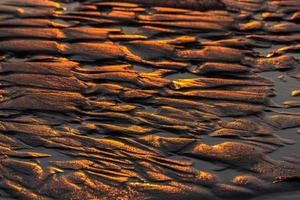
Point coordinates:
[[149, 99]]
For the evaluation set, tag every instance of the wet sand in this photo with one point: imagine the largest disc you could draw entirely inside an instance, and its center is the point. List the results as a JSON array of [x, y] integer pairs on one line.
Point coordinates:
[[135, 99]]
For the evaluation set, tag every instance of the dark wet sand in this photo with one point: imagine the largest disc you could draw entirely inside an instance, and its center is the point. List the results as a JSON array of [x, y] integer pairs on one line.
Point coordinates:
[[136, 99]]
